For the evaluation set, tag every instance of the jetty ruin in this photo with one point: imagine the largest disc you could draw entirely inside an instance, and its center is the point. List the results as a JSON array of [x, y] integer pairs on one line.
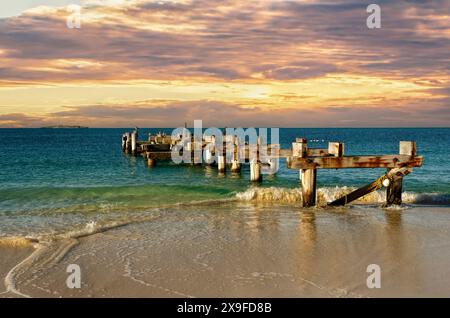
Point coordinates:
[[259, 156]]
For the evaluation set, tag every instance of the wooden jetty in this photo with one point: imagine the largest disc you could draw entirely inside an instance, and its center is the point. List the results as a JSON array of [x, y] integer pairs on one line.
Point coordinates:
[[300, 157]]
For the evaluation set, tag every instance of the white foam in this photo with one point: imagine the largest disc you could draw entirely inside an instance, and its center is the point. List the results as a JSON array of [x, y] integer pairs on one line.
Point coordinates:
[[329, 194]]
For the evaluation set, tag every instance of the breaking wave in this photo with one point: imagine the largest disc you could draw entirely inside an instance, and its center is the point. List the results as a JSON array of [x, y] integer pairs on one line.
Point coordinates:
[[329, 194]]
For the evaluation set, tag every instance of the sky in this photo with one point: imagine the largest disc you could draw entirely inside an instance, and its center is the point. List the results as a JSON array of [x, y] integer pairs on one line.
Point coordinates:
[[253, 63]]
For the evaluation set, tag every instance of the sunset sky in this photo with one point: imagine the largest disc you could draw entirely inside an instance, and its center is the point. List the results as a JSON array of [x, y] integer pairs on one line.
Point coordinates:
[[265, 63]]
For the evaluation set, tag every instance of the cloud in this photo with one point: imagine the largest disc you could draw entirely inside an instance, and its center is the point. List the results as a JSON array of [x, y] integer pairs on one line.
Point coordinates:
[[269, 42], [160, 113], [231, 39]]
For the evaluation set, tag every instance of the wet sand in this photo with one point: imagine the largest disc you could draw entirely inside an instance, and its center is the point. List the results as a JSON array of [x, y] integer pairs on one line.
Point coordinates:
[[9, 257], [253, 250]]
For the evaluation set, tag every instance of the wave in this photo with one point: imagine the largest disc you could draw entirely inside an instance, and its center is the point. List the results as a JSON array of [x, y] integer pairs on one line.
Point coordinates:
[[329, 194], [17, 241], [50, 248]]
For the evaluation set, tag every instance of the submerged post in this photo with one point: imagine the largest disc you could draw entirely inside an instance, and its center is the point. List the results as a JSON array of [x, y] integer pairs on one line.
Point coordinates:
[[255, 171], [128, 143], [235, 166], [221, 163], [235, 163], [124, 142], [133, 143]]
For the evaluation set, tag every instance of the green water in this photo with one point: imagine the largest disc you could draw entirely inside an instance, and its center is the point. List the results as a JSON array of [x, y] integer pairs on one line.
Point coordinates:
[[53, 180]]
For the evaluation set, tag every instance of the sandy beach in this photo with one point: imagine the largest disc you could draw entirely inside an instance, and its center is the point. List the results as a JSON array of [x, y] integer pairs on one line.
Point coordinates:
[[250, 250]]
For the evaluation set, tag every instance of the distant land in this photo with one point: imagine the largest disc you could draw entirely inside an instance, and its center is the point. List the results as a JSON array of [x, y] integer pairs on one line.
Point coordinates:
[[64, 126]]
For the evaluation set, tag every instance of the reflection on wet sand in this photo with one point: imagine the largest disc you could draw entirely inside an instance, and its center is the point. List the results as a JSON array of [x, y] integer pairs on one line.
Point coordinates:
[[307, 228], [260, 250]]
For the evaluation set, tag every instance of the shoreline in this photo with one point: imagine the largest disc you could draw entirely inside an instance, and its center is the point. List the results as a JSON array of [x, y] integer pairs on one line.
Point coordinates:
[[12, 256], [250, 250]]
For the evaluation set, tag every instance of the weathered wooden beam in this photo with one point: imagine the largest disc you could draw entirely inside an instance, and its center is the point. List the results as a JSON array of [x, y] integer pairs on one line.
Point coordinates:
[[384, 161], [354, 195], [285, 153], [390, 178], [317, 152]]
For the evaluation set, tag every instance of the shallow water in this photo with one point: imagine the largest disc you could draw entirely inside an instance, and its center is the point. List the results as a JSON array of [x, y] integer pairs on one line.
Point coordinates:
[[57, 180], [250, 249]]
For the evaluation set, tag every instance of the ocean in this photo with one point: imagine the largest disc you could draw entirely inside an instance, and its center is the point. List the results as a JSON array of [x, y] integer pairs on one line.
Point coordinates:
[[66, 181]]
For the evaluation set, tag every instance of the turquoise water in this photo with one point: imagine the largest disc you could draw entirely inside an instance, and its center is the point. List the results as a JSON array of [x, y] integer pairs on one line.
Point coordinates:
[[56, 179]]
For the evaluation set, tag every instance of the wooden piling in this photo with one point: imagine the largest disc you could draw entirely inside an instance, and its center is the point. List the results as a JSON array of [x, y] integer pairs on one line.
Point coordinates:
[[235, 166], [273, 165], [308, 179], [133, 143], [336, 149], [208, 156], [300, 157], [235, 163], [151, 162], [128, 143], [221, 163], [300, 148], [255, 171], [395, 187], [408, 148], [394, 191], [124, 142]]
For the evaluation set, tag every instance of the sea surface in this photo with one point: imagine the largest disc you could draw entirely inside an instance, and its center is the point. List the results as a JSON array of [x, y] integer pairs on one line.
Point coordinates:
[[66, 181]]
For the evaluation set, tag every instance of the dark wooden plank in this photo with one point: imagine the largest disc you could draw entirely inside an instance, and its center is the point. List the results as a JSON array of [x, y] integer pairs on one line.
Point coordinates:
[[394, 178], [159, 155]]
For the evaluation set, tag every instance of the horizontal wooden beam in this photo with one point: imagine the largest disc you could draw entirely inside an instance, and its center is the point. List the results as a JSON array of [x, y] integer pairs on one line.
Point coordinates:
[[384, 161], [159, 155]]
